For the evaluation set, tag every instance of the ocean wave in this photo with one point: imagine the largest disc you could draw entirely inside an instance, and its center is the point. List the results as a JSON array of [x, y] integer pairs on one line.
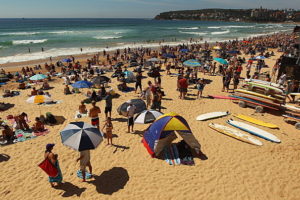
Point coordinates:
[[193, 33], [238, 26], [20, 33], [106, 37], [61, 32], [17, 42], [220, 32], [214, 27], [189, 28]]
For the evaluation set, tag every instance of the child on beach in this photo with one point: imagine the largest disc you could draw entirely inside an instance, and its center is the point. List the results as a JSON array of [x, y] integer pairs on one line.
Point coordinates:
[[200, 86], [108, 131]]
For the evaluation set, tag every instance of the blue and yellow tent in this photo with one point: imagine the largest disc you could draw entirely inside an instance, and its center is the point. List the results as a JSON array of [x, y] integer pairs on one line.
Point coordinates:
[[162, 133]]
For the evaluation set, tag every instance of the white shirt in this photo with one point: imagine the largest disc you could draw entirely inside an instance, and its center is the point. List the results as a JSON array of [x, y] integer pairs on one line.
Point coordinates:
[[131, 110]]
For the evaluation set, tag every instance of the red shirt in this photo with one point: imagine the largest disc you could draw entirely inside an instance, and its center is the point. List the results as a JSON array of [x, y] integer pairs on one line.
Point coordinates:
[[183, 83]]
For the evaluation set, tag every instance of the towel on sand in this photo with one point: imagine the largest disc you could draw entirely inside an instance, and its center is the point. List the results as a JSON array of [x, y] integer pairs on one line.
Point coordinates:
[[78, 115]]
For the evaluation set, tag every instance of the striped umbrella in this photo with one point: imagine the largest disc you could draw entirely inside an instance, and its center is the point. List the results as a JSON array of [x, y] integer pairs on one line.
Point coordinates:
[[192, 63], [39, 99], [147, 116], [38, 77], [81, 136]]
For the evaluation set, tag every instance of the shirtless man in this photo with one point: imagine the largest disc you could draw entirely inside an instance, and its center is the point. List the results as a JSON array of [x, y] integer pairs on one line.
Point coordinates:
[[94, 115], [82, 108]]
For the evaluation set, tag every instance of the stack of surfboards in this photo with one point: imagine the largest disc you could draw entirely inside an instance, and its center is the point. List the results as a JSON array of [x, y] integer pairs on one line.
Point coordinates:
[[261, 93], [239, 135]]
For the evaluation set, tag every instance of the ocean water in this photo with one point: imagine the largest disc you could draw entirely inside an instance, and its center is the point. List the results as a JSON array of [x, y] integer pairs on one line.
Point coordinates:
[[64, 37]]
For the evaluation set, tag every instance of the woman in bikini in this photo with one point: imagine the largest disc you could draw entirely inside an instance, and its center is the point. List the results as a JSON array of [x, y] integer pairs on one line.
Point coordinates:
[[108, 131]]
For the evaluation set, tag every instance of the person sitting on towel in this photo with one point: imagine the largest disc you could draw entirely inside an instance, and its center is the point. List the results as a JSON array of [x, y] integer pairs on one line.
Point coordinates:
[[82, 108], [8, 134], [46, 85], [34, 92], [38, 126], [22, 86]]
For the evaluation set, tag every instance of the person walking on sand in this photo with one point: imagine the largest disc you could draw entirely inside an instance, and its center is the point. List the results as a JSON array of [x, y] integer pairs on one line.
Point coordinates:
[[53, 158], [183, 87], [108, 131], [85, 161], [130, 113], [94, 115], [108, 104]]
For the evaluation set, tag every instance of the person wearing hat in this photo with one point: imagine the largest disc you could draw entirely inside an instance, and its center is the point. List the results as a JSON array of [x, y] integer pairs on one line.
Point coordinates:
[[130, 113], [53, 159]]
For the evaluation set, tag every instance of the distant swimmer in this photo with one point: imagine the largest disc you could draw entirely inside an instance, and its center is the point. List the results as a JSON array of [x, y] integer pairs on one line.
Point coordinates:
[[81, 49], [29, 49], [42, 49]]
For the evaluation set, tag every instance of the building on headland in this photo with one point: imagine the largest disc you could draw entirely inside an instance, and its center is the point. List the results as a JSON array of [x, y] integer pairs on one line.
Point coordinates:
[[247, 15]]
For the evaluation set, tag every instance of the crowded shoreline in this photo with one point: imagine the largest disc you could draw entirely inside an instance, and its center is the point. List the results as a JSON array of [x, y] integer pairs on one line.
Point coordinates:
[[121, 165]]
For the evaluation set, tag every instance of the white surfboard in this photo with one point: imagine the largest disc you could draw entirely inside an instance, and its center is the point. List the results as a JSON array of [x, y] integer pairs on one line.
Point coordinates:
[[263, 82], [290, 107], [254, 131], [235, 134], [211, 115]]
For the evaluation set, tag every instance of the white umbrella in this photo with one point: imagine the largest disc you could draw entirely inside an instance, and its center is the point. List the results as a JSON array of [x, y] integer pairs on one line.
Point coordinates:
[[147, 116]]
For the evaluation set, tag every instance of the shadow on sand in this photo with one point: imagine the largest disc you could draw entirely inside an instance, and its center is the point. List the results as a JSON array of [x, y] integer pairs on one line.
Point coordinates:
[[70, 189], [111, 181]]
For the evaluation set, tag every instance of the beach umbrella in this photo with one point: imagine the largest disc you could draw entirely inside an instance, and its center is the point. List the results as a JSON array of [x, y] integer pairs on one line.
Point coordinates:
[[39, 99], [82, 84], [153, 60], [139, 104], [221, 60], [81, 136], [260, 57], [67, 60], [147, 116], [100, 80], [216, 47], [168, 55], [184, 50], [38, 77], [192, 63]]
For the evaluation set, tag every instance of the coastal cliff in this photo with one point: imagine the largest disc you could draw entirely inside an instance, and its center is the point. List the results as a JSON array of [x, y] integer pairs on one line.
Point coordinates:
[[243, 15]]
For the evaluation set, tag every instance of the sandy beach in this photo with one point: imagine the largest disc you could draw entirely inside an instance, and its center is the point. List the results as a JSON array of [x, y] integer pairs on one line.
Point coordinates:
[[232, 170]]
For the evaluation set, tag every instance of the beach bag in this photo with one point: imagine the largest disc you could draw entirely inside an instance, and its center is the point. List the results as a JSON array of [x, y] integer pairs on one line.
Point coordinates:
[[49, 168]]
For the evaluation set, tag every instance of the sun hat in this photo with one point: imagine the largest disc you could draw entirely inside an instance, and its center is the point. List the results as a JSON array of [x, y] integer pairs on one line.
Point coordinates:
[[49, 146]]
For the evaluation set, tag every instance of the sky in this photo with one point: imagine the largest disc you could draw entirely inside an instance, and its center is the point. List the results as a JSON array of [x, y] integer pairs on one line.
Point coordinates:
[[122, 8]]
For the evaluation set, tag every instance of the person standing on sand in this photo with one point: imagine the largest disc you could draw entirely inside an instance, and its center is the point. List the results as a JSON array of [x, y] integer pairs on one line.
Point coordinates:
[[130, 113], [85, 161], [108, 131], [183, 85], [138, 83], [108, 104], [94, 115], [82, 108], [53, 159]]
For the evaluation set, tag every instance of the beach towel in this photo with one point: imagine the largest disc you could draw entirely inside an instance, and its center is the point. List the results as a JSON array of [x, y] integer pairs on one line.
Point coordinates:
[[45, 132], [14, 93], [51, 103], [78, 115], [23, 136], [171, 155], [87, 175]]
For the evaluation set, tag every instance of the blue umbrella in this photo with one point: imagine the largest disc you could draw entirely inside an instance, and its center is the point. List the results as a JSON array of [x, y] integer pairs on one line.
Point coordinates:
[[168, 55], [221, 60], [184, 50], [67, 60], [81, 136], [82, 84], [192, 63], [38, 77]]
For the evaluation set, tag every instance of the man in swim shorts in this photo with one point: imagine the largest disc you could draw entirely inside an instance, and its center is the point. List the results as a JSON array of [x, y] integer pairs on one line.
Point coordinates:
[[94, 115]]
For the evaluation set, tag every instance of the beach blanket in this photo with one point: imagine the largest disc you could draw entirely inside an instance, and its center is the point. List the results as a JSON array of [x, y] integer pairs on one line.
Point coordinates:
[[87, 175], [14, 93], [23, 136], [171, 155], [45, 132], [78, 115]]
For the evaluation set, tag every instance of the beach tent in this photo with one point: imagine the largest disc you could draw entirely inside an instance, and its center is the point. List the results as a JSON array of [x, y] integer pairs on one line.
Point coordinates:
[[162, 132], [129, 76], [82, 84], [192, 63], [139, 104], [38, 77]]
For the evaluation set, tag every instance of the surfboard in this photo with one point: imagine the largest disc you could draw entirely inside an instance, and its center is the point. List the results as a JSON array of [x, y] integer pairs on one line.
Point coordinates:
[[293, 113], [255, 102], [279, 91], [295, 94], [267, 101], [257, 94], [263, 82], [221, 97], [211, 115], [255, 121], [289, 107], [235, 134], [295, 118], [254, 130]]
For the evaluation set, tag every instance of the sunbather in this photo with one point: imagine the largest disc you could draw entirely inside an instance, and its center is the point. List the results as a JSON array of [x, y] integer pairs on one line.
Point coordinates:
[[82, 108], [38, 126]]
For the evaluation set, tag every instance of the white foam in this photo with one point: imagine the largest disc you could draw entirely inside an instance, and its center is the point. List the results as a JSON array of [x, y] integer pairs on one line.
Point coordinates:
[[193, 33], [189, 28], [106, 37], [20, 33], [61, 32], [214, 27], [16, 42], [220, 32], [238, 26]]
